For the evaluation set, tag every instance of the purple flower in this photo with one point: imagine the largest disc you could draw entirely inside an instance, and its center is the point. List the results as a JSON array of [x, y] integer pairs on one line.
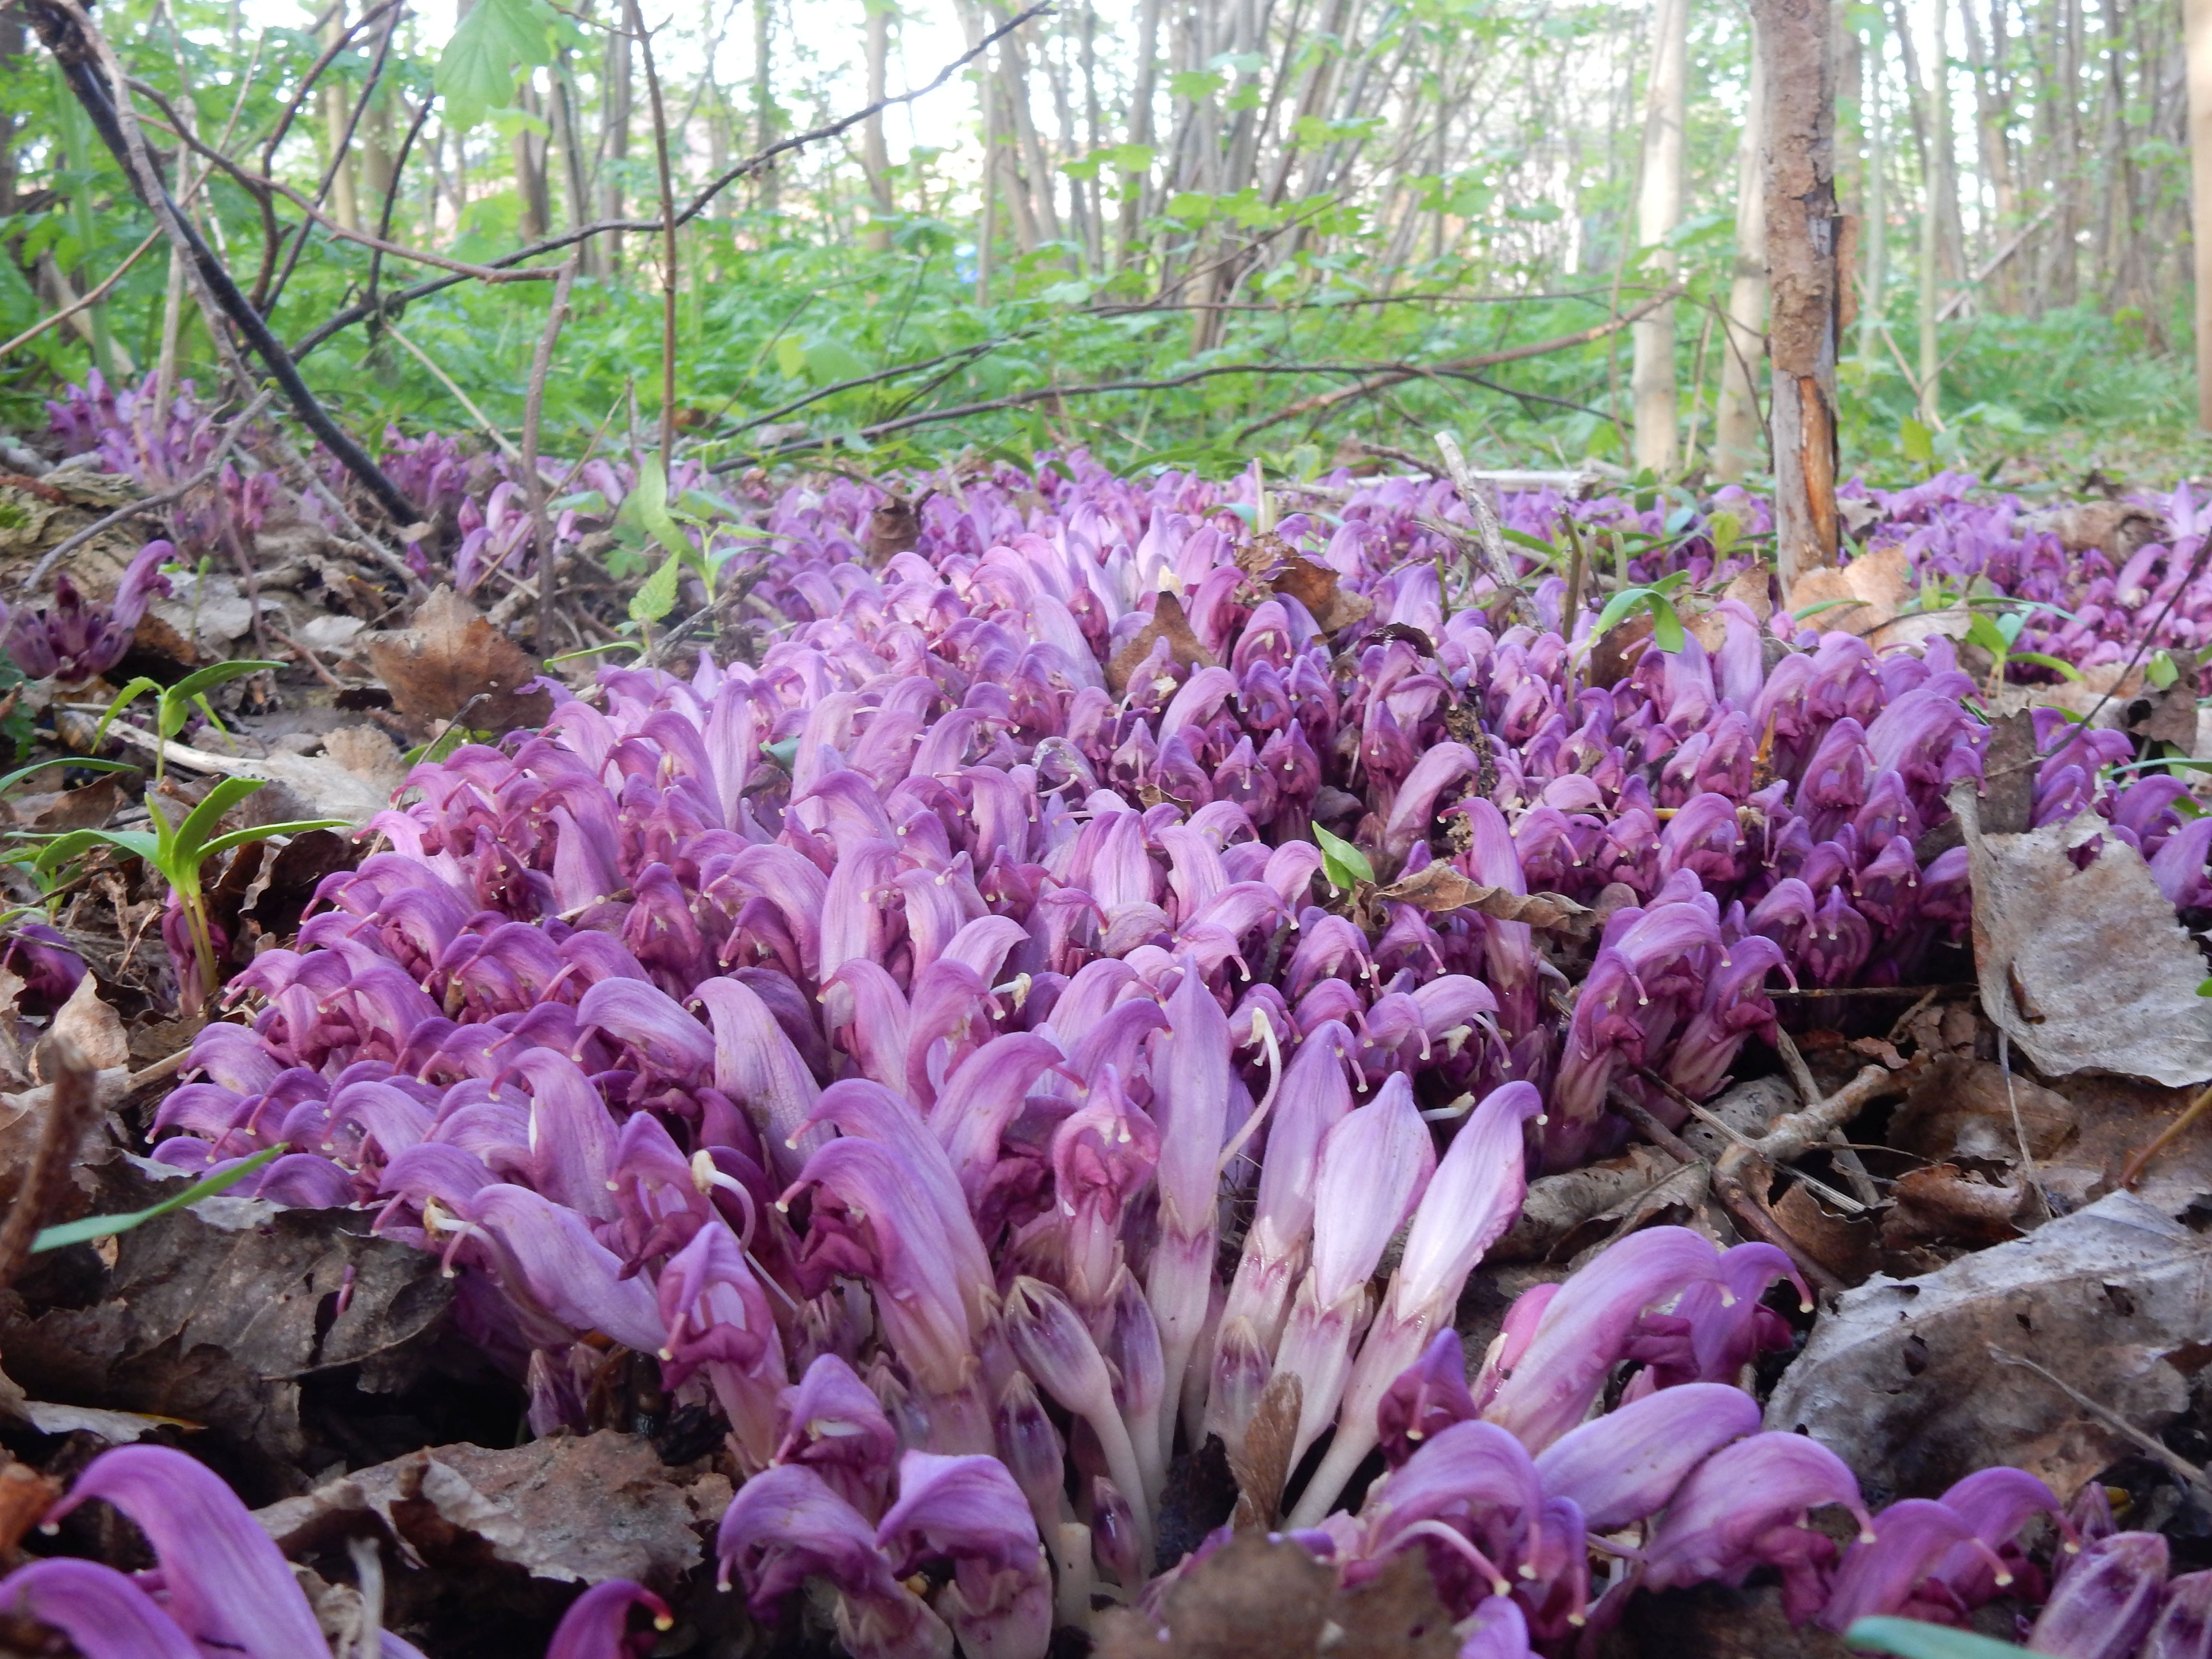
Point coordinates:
[[104, 1614], [969, 1511], [2104, 1603], [1627, 1464], [786, 1526], [596, 1624], [1745, 1507], [1476, 1193], [226, 1584], [1585, 1328]]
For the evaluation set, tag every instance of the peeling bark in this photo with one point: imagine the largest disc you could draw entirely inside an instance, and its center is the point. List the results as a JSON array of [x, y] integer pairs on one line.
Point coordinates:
[[1803, 229]]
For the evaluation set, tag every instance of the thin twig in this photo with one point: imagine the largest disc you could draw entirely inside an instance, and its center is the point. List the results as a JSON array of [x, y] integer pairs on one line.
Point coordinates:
[[71, 37], [90, 298], [691, 210], [506, 444], [644, 37], [2180, 1467]]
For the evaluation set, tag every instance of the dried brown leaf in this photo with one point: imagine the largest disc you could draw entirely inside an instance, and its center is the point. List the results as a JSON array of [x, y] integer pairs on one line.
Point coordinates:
[[1261, 1462], [1315, 586], [2119, 528], [1959, 1108], [1944, 1204], [95, 1029], [1256, 1597], [1169, 623], [1874, 585], [1441, 887], [892, 529], [2084, 968], [25, 1496], [571, 1509], [1896, 1379], [1847, 1246], [451, 659], [1394, 1615]]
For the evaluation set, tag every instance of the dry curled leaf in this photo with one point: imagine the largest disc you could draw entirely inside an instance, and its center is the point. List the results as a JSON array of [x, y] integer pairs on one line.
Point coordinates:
[[2084, 968], [1262, 1461], [893, 527], [1896, 1377], [571, 1509], [1959, 1108], [1861, 596], [1170, 623], [453, 664], [95, 1029], [1440, 887], [1942, 1204], [1558, 1207], [1315, 586]]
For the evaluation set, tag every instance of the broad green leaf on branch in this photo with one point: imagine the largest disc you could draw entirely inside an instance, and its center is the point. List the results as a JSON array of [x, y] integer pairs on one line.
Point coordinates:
[[494, 40]]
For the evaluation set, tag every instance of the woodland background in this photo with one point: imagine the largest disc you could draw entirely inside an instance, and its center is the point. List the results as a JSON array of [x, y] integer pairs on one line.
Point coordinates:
[[1224, 210]]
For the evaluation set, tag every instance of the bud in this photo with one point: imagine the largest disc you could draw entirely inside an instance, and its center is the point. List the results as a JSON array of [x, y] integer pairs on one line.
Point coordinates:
[[2106, 1603]]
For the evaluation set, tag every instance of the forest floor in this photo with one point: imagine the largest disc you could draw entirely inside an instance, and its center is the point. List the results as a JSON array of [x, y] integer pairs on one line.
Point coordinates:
[[1960, 1151]]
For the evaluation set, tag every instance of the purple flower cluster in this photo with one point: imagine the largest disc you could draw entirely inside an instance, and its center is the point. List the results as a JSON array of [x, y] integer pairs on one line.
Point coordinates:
[[71, 640], [936, 1043]]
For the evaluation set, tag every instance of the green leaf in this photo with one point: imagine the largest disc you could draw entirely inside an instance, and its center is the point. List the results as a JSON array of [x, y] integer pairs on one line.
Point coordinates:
[[2041, 660], [139, 843], [1535, 545], [1341, 862], [493, 40], [2205, 988], [1910, 1638], [263, 832], [658, 596], [201, 681], [90, 765], [2159, 671], [1723, 530], [646, 508], [129, 694], [2009, 625], [1981, 631], [1917, 442], [1666, 624], [199, 823], [1617, 607], [106, 1226]]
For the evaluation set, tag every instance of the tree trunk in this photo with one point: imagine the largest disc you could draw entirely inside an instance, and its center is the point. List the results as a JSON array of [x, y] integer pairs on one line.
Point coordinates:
[[337, 110], [764, 101], [1872, 292], [875, 155], [614, 134], [530, 179], [1802, 229], [2197, 24], [1658, 210], [1935, 188], [1737, 428], [1136, 186]]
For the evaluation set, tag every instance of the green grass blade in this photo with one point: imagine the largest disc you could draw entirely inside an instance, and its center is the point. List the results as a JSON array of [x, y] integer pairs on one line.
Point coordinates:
[[106, 1226]]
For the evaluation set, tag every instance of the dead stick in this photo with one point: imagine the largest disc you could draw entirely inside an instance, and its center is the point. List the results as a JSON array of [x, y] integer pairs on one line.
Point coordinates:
[[2133, 1172], [69, 1114]]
